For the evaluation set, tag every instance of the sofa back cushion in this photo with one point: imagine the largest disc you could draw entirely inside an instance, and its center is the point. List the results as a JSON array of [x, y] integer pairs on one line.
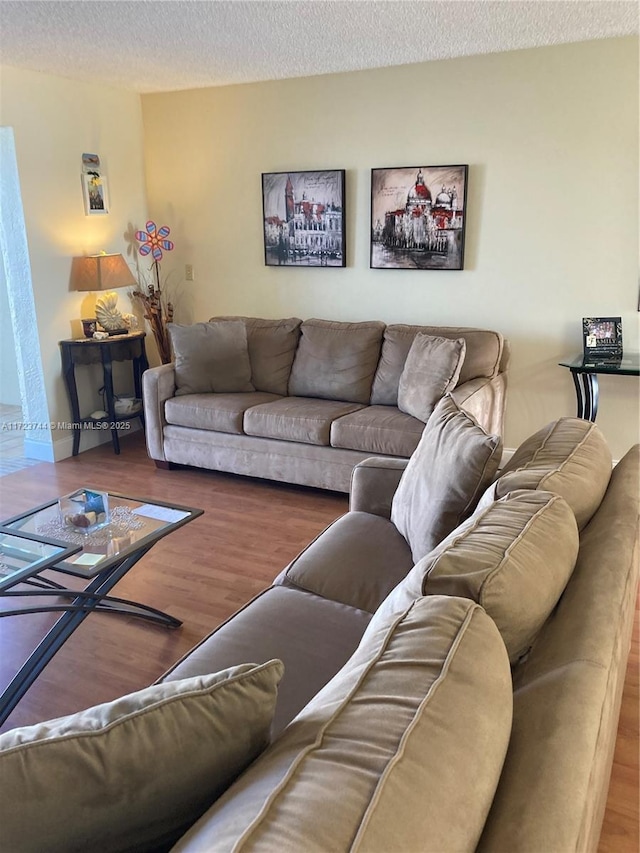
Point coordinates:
[[210, 357], [514, 558], [449, 470], [483, 357], [570, 457], [401, 750], [272, 346], [133, 774], [431, 370], [336, 361]]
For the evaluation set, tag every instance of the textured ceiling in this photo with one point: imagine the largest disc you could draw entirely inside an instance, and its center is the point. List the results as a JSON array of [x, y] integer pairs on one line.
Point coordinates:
[[150, 46]]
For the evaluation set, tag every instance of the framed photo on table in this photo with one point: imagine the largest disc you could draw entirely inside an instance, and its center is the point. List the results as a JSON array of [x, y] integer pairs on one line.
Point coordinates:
[[602, 337], [304, 218]]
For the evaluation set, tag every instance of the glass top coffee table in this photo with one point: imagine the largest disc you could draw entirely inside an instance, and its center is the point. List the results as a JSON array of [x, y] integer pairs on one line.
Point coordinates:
[[39, 540]]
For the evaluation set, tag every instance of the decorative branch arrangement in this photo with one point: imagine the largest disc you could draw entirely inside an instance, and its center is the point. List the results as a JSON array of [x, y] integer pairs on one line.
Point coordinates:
[[158, 310]]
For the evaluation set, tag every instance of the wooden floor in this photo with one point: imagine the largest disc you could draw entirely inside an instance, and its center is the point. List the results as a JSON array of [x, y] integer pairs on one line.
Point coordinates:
[[201, 574]]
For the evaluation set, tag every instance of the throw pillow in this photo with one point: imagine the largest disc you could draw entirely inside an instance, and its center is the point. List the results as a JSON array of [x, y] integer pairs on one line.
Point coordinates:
[[432, 368], [514, 558], [135, 773], [211, 357], [449, 470]]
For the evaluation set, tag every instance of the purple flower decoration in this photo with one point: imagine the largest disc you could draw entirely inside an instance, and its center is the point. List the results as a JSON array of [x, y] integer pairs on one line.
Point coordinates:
[[153, 241]]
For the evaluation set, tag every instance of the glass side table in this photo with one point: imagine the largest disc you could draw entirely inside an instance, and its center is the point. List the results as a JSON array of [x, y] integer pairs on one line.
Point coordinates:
[[584, 372]]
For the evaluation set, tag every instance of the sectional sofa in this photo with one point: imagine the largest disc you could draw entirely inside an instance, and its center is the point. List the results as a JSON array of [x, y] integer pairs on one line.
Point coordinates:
[[304, 402], [454, 653]]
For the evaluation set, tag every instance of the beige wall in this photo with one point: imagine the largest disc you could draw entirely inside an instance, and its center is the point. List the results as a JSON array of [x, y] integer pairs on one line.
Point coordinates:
[[551, 137], [55, 120]]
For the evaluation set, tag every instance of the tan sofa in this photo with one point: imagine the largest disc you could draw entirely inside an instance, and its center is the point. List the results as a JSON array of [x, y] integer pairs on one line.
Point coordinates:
[[318, 398], [452, 698], [398, 737]]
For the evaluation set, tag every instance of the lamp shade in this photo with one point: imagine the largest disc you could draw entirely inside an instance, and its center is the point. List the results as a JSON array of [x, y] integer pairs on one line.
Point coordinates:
[[100, 272]]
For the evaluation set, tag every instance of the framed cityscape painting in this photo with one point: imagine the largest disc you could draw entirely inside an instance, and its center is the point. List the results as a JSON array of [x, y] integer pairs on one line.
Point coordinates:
[[303, 216], [418, 217]]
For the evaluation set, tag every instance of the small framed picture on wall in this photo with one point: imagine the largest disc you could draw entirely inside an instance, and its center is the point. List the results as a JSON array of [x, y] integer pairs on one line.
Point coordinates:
[[95, 194]]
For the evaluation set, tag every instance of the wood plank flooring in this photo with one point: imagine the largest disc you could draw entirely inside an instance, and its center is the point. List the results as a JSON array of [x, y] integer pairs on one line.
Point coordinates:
[[203, 573]]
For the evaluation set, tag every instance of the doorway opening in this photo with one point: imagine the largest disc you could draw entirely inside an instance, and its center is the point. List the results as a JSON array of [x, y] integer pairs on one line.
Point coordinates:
[[25, 434]]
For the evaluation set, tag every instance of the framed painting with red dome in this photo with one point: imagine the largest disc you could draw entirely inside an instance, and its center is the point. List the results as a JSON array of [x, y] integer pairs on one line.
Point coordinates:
[[418, 217]]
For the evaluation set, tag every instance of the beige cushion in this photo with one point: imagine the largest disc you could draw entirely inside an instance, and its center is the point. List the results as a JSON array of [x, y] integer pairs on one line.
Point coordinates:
[[336, 361], [220, 412], [377, 429], [210, 357], [446, 475], [401, 751], [358, 560], [482, 359], [296, 419], [570, 457], [514, 558], [272, 347], [136, 772], [432, 368]]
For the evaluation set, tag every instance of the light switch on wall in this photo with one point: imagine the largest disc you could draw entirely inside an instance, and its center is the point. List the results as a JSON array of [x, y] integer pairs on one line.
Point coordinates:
[[188, 272]]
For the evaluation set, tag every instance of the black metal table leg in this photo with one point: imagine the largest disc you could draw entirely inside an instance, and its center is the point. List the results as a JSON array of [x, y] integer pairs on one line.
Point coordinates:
[[579, 393], [587, 394]]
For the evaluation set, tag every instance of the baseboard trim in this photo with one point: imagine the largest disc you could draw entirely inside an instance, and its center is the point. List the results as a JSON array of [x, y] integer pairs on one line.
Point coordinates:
[[63, 448]]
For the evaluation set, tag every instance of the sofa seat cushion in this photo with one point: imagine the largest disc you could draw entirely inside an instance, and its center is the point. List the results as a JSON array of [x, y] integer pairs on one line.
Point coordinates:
[[296, 419], [482, 358], [378, 429], [514, 558], [336, 361], [219, 412], [314, 638], [272, 347], [210, 357], [133, 774], [358, 560], [441, 485], [570, 457], [401, 751]]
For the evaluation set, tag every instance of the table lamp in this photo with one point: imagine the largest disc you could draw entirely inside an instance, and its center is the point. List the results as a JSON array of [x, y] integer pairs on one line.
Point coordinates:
[[103, 273]]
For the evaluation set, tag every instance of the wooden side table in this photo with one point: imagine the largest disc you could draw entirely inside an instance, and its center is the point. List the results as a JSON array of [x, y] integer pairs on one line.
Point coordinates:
[[584, 372], [89, 351]]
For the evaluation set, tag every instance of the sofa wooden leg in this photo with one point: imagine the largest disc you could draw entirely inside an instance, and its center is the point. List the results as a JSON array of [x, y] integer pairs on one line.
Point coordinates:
[[164, 465]]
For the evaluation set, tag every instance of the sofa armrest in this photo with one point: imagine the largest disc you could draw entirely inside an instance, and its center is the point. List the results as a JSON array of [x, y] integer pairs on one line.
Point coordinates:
[[484, 399], [158, 385], [373, 485]]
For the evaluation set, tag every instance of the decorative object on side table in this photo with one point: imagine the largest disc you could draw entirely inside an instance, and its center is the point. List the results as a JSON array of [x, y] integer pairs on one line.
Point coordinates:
[[418, 217], [304, 222], [104, 273], [158, 310], [89, 327], [602, 338]]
